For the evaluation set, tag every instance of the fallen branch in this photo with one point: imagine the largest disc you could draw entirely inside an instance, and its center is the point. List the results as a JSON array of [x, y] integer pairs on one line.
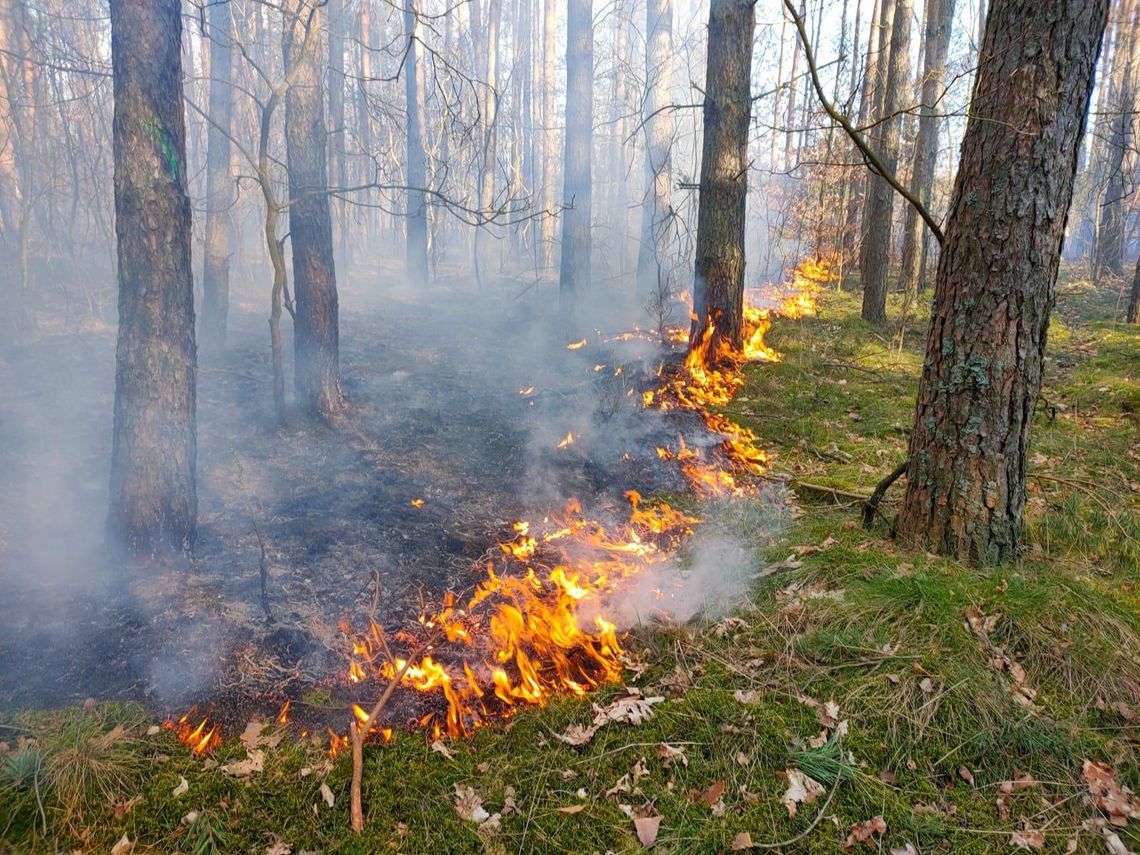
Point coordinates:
[[872, 504]]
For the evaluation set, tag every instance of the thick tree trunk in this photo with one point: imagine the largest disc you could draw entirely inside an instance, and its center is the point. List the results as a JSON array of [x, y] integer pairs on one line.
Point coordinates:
[[994, 289], [416, 198], [718, 282], [875, 251], [220, 195], [574, 278], [316, 325], [153, 500], [657, 226], [939, 14], [549, 137]]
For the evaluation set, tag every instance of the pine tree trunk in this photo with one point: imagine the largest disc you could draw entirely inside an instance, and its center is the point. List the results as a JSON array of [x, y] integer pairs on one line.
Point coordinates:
[[549, 137], [657, 226], [875, 251], [220, 195], [336, 135], [153, 499], [996, 279], [416, 199], [574, 277], [316, 335], [1109, 249], [718, 284], [1134, 295], [939, 14]]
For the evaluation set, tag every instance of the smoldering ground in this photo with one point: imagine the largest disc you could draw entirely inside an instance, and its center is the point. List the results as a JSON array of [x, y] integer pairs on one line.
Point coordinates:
[[459, 401]]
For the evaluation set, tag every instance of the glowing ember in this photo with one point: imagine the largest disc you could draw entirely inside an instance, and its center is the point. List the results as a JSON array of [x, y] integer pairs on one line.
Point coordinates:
[[567, 441], [200, 738], [417, 503], [527, 392]]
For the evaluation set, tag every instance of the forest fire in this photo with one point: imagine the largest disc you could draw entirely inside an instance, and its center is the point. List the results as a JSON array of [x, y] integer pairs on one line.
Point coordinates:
[[200, 738]]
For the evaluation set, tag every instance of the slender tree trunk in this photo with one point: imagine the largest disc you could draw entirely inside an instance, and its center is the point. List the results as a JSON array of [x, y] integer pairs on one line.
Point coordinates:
[[718, 283], [619, 202], [939, 14], [489, 89], [856, 180], [1109, 249], [1134, 295], [316, 325], [574, 278], [657, 226], [790, 117], [549, 137], [336, 135], [875, 252], [416, 198], [220, 195], [153, 500], [363, 110], [996, 279]]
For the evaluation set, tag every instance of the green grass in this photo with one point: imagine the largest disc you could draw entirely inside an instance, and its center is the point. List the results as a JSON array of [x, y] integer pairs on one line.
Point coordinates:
[[881, 631]]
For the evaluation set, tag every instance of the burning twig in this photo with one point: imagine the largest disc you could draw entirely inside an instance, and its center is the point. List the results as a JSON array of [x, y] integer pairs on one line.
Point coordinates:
[[357, 734]]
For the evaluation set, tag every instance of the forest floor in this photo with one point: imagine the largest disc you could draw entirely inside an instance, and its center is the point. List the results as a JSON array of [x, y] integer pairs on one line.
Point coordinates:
[[939, 707]]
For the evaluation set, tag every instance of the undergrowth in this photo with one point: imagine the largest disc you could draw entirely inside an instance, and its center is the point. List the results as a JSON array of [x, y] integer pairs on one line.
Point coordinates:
[[947, 682]]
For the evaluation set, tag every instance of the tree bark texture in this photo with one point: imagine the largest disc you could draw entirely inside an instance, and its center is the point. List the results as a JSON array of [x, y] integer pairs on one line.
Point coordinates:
[[996, 279], [718, 282], [153, 499], [875, 250], [316, 325], [657, 226], [574, 278], [220, 189], [939, 15]]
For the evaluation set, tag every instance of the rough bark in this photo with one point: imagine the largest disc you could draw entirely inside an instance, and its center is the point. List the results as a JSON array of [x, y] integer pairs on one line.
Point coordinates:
[[220, 195], [153, 499], [316, 334], [657, 226], [574, 278], [996, 279], [939, 14], [718, 282], [875, 250], [549, 137], [416, 199]]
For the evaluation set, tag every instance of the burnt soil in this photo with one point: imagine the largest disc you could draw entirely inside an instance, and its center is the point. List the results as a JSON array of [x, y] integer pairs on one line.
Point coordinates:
[[434, 413]]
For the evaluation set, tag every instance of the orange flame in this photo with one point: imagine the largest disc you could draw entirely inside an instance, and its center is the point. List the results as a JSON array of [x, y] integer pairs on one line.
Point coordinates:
[[201, 739]]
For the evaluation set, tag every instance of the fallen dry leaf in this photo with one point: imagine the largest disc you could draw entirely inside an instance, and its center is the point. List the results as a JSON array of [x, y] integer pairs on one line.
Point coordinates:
[[123, 847], [1027, 838], [712, 795], [747, 696], [182, 788], [254, 762], [440, 748], [632, 708], [802, 789], [568, 809], [1108, 795], [742, 841], [862, 832], [647, 828], [327, 794], [251, 736], [908, 849], [121, 809], [279, 848], [468, 805], [670, 754], [966, 775]]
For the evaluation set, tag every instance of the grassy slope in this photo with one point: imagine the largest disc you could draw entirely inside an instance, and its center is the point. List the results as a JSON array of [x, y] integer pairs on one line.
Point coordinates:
[[881, 631]]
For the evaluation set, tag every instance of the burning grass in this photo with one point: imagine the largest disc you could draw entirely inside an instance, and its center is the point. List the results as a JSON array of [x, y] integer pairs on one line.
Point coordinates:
[[943, 750]]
